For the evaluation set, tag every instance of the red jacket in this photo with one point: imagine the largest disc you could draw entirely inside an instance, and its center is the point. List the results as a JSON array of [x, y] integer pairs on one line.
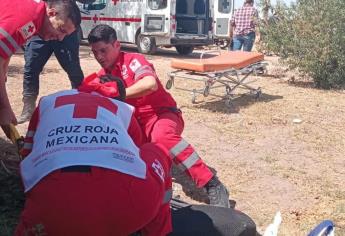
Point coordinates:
[[131, 67], [19, 20]]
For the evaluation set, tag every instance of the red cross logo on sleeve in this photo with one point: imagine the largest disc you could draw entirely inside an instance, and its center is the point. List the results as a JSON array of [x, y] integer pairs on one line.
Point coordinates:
[[86, 105], [31, 28]]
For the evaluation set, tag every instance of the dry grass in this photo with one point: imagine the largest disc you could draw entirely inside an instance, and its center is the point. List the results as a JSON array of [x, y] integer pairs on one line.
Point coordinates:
[[268, 162]]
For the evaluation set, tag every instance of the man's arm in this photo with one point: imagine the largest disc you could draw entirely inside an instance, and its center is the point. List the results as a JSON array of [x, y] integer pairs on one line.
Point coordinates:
[[231, 31], [232, 27], [6, 114], [144, 86]]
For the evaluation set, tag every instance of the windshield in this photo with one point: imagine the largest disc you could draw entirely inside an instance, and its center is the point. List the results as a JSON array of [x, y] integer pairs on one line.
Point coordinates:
[[224, 6], [157, 4], [96, 5]]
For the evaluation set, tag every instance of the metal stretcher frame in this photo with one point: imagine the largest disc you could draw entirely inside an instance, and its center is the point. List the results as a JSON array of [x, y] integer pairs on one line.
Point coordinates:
[[240, 66]]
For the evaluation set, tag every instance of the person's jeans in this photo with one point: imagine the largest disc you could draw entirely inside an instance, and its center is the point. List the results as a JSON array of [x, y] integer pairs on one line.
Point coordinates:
[[247, 41], [36, 54]]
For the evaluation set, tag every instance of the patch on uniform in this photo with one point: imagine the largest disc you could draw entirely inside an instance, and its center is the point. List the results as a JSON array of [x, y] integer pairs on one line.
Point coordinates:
[[124, 72], [158, 168], [134, 65], [28, 30]]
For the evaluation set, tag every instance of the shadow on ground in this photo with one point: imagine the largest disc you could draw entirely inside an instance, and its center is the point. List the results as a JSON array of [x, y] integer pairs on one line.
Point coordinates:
[[11, 191], [15, 70], [222, 105]]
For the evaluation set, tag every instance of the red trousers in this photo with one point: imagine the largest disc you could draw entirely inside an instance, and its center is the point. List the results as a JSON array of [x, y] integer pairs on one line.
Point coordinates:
[[166, 128], [101, 202]]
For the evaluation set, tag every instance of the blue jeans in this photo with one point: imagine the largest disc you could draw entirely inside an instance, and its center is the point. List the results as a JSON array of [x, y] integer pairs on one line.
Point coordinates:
[[247, 41], [36, 54]]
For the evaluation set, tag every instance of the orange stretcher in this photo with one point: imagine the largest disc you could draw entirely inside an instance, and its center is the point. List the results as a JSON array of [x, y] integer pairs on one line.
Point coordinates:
[[228, 69]]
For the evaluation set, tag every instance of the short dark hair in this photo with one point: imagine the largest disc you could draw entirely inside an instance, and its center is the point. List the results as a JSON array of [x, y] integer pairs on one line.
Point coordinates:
[[68, 8], [120, 85], [249, 1], [102, 33]]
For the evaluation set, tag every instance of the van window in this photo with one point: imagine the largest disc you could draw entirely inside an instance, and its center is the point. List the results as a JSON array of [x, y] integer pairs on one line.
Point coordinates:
[[199, 7], [224, 6], [181, 7], [157, 4], [96, 5]]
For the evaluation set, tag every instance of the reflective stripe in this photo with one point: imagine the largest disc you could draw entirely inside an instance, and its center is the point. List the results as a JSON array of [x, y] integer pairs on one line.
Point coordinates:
[[190, 161], [30, 134], [9, 38], [143, 70], [5, 48], [178, 148], [27, 146], [167, 196]]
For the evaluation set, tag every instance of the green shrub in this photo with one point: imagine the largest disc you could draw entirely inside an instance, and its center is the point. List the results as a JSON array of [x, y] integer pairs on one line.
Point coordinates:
[[310, 36]]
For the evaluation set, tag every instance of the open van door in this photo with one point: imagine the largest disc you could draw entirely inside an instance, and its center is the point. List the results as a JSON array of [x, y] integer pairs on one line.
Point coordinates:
[[91, 14], [223, 12], [156, 24]]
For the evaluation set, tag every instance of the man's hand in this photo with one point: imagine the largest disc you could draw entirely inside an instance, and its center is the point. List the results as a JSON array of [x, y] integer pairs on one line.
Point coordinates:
[[6, 114]]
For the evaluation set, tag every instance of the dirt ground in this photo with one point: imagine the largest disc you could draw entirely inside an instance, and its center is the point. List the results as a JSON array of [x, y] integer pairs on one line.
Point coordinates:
[[269, 160]]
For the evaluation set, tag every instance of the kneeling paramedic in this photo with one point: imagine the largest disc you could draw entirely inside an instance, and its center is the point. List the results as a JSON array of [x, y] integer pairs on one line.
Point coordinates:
[[85, 170], [156, 110]]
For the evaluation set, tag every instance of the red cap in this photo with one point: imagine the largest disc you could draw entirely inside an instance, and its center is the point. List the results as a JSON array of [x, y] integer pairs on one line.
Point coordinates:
[[92, 83]]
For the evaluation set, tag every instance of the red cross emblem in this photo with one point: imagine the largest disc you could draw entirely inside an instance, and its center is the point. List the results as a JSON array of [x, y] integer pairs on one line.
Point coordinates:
[[86, 105], [115, 1], [31, 28], [95, 19]]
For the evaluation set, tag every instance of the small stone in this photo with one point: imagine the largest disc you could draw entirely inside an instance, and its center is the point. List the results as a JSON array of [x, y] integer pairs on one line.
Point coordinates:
[[297, 121]]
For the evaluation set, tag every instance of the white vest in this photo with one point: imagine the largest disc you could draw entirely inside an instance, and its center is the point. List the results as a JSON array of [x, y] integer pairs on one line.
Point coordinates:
[[61, 140]]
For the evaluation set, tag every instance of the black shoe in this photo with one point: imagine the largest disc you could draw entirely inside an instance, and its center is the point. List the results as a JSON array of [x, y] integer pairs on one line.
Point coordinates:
[[217, 193]]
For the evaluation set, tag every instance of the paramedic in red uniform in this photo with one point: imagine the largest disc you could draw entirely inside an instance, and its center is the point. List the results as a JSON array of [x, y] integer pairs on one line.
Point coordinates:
[[20, 20], [156, 110], [85, 170]]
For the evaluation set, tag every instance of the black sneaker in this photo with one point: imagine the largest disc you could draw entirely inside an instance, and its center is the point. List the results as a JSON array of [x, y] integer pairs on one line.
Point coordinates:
[[217, 193]]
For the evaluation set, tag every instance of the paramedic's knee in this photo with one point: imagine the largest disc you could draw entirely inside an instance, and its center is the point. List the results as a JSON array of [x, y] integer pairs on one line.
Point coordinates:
[[168, 126]]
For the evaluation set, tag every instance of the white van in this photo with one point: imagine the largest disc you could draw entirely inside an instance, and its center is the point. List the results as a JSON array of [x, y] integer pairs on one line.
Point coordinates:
[[223, 11], [183, 24]]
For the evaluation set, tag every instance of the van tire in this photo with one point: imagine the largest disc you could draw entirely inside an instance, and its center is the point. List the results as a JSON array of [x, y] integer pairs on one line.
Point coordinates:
[[146, 44], [184, 50]]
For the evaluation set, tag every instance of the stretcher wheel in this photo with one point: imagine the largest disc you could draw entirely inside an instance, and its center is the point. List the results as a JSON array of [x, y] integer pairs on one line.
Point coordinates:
[[228, 103], [258, 93], [261, 70], [194, 96], [206, 91], [169, 83], [228, 89]]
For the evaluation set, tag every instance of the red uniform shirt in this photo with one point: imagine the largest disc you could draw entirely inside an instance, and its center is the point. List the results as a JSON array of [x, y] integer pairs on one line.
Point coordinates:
[[19, 20], [131, 67]]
